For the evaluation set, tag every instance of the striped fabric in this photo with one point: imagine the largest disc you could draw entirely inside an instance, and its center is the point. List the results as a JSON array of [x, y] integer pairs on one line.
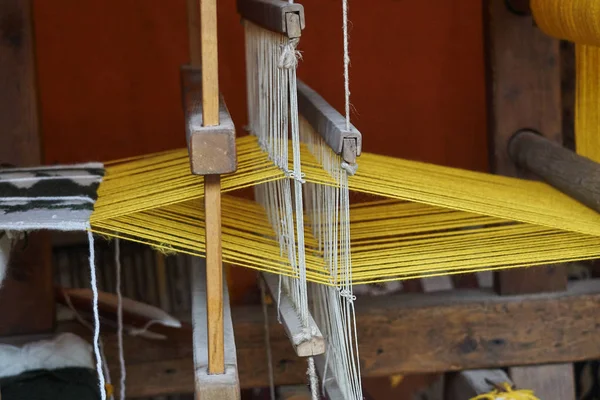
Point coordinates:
[[56, 198]]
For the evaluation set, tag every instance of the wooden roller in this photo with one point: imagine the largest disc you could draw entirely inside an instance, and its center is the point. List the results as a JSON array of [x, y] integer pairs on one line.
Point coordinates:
[[572, 174]]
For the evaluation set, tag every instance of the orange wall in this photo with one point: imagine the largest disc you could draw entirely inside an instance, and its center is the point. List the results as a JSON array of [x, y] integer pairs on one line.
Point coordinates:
[[108, 75]]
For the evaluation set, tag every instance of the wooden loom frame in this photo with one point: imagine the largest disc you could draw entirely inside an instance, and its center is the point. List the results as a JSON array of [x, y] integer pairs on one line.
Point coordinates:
[[482, 329]]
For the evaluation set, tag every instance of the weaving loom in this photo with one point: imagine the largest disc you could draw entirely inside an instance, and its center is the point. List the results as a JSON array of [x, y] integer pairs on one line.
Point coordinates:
[[304, 159]]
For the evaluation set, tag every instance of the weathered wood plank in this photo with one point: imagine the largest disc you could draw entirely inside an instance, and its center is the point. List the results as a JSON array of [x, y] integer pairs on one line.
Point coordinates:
[[26, 298], [546, 381], [399, 334], [525, 82], [304, 346], [523, 92]]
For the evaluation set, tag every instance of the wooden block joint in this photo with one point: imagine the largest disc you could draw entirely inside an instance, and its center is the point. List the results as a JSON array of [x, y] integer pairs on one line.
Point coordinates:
[[212, 149]]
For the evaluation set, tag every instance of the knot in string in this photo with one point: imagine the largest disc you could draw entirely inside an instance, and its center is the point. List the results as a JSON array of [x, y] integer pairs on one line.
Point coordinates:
[[345, 293], [305, 334], [297, 177], [289, 55], [349, 168]]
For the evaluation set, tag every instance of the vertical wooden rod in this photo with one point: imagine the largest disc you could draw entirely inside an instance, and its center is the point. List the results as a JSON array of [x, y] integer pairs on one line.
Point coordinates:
[[212, 190], [214, 274], [210, 62]]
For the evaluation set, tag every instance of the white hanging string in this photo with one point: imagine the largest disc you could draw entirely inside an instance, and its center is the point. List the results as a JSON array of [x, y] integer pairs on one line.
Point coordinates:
[[120, 319], [94, 286], [271, 61], [328, 211], [263, 298], [346, 62], [314, 380], [83, 322]]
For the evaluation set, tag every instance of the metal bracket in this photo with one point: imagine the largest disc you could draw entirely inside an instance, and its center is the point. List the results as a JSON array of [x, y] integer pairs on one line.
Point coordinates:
[[274, 15], [212, 149], [329, 123]]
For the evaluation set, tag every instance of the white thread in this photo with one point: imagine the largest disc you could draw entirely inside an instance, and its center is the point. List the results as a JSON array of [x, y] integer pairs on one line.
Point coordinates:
[[90, 165], [120, 319], [49, 178], [314, 380], [324, 378], [306, 334], [94, 286], [349, 168], [263, 295], [144, 329], [51, 198], [346, 63], [290, 56], [347, 294], [279, 301], [83, 322], [271, 60], [55, 225], [292, 175], [333, 307]]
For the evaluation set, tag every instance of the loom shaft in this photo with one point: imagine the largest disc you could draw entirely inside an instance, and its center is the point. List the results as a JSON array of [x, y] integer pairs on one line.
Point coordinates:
[[303, 345], [275, 15], [329, 123]]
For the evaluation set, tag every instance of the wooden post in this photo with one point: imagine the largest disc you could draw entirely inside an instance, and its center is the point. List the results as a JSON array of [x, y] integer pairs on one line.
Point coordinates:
[[26, 297], [524, 93], [214, 271], [206, 55], [524, 87]]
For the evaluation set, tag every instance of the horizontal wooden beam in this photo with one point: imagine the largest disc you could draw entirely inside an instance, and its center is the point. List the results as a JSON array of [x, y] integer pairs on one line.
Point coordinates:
[[400, 334]]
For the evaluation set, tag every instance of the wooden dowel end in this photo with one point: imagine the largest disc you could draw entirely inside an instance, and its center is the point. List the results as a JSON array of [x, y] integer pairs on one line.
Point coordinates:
[[572, 174]]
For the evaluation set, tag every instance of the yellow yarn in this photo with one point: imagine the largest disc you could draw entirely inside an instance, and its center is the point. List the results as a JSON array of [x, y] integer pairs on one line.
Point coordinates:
[[574, 20], [578, 21], [435, 221], [587, 101], [507, 393]]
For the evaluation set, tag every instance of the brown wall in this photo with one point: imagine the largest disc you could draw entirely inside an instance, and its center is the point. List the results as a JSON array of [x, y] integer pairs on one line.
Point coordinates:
[[108, 75]]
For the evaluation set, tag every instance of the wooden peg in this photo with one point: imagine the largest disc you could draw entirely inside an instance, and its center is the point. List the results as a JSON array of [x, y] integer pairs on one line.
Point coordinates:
[[574, 175]]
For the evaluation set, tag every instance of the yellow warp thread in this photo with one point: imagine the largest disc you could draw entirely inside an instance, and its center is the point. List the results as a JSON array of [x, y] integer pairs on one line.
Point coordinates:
[[579, 21], [435, 220], [587, 101], [158, 180], [507, 393]]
